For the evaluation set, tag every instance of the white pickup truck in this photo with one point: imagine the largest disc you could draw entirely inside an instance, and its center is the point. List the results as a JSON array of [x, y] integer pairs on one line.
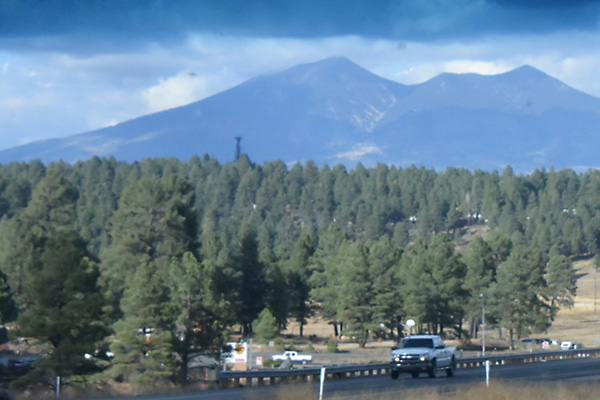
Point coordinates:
[[293, 356], [423, 353]]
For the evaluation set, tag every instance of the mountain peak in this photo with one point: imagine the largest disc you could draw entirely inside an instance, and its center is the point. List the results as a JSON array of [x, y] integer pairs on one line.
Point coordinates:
[[331, 69], [331, 63], [338, 63], [526, 72]]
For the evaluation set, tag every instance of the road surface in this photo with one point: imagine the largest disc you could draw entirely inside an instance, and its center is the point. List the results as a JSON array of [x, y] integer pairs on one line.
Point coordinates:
[[578, 370]]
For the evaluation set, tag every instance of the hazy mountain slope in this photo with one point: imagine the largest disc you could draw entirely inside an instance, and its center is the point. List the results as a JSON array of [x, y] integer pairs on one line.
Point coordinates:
[[334, 111], [524, 118]]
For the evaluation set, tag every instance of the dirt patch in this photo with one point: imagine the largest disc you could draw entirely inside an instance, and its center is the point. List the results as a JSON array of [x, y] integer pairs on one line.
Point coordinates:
[[469, 233]]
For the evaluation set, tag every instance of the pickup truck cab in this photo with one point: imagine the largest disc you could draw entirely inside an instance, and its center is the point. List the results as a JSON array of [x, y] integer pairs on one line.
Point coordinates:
[[423, 353], [293, 356]]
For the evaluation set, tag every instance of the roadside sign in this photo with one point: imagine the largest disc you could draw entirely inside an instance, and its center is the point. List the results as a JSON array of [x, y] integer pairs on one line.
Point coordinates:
[[239, 353]]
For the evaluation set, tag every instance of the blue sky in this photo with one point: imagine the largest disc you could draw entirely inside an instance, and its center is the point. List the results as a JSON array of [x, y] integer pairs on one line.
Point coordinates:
[[69, 66]]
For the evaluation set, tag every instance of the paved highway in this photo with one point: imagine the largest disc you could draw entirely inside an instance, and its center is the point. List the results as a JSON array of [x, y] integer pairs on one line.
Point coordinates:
[[579, 370]]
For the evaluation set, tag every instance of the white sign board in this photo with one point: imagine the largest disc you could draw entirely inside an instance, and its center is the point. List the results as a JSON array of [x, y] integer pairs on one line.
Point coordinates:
[[239, 353]]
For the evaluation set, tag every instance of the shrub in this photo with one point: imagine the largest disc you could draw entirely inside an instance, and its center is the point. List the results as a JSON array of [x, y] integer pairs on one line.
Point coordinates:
[[279, 344], [272, 364], [265, 327], [332, 346]]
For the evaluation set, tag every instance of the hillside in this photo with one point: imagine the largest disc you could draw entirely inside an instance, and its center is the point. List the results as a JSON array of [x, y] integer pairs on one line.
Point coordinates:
[[333, 111], [581, 323]]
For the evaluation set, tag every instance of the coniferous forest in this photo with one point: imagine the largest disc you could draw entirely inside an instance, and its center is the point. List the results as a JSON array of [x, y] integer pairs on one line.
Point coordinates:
[[161, 260]]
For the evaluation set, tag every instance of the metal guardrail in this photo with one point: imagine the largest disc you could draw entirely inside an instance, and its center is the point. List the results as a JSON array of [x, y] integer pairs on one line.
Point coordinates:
[[523, 358], [273, 376]]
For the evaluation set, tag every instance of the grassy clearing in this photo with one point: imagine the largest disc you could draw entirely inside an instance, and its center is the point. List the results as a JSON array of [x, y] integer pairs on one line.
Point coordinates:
[[581, 323]]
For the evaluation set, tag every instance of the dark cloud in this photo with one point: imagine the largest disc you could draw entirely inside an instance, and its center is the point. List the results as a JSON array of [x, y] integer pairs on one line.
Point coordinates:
[[547, 4], [114, 24]]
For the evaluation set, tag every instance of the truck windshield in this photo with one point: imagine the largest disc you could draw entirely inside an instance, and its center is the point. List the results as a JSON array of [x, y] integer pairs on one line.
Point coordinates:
[[428, 343]]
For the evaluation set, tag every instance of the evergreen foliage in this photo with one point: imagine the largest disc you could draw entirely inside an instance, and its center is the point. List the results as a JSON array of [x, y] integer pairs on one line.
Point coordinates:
[[517, 295], [480, 273], [202, 314], [55, 278], [185, 252], [143, 344], [64, 306], [250, 281], [265, 326]]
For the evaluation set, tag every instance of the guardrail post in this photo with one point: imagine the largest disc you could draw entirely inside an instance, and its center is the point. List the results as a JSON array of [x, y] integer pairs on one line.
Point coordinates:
[[321, 383]]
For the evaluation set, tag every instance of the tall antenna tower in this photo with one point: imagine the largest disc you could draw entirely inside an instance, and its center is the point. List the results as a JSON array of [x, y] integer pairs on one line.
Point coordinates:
[[237, 147]]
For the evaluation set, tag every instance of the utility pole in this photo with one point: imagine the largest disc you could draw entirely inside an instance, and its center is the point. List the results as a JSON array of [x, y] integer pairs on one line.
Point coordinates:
[[237, 147], [596, 259], [482, 324]]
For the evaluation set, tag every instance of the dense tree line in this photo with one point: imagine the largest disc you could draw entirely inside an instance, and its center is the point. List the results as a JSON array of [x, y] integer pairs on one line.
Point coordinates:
[[160, 260]]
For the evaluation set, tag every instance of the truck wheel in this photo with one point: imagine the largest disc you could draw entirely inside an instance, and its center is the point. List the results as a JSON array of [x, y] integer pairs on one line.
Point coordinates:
[[451, 368], [432, 372], [415, 374], [395, 374]]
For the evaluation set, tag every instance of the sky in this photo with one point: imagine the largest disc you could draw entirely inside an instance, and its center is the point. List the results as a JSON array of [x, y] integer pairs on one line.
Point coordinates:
[[70, 66]]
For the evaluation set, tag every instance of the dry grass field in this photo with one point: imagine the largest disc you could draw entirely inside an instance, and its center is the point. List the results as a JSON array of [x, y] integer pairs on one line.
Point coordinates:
[[496, 391], [581, 323]]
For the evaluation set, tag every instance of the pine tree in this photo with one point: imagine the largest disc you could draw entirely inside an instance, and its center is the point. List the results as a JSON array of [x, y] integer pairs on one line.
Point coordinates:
[[433, 290], [276, 291], [154, 222], [325, 275], [298, 274], [501, 246], [356, 295], [265, 326], [54, 277], [562, 282], [64, 305], [202, 316], [480, 273], [384, 271], [516, 297], [8, 306], [143, 344], [250, 281], [52, 207]]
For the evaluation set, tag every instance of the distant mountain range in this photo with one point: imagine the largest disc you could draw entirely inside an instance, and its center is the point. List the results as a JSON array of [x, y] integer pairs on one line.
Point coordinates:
[[334, 111]]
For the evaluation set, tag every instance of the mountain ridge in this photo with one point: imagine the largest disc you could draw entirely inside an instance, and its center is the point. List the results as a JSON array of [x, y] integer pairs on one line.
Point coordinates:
[[334, 111]]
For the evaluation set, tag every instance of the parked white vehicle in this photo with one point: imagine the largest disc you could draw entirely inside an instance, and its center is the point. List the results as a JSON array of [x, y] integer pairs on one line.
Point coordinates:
[[293, 356], [566, 345], [423, 353]]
